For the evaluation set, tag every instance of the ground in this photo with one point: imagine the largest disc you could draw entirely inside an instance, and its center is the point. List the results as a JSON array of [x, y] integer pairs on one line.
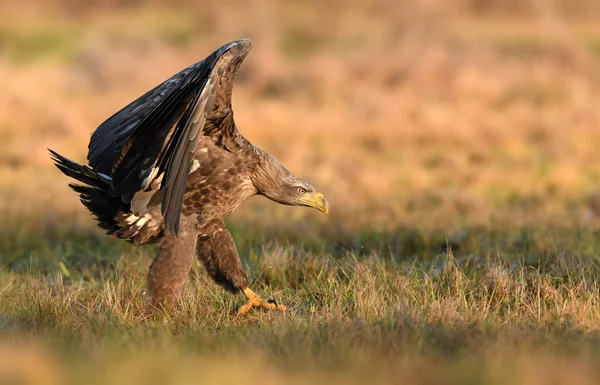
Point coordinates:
[[456, 142]]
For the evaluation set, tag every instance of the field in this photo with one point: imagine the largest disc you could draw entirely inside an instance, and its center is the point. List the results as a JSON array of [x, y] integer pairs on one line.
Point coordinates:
[[456, 141]]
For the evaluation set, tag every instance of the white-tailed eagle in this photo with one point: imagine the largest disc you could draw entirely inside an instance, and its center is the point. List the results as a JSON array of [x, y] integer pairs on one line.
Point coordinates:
[[172, 165]]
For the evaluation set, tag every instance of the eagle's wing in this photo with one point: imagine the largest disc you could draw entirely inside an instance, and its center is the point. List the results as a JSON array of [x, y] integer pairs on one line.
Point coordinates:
[[148, 147]]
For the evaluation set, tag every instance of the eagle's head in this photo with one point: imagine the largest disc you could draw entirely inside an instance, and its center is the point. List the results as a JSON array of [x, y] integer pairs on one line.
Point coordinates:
[[277, 183]]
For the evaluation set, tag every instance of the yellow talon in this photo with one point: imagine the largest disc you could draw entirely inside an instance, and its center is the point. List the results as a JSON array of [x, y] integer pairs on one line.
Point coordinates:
[[255, 301]]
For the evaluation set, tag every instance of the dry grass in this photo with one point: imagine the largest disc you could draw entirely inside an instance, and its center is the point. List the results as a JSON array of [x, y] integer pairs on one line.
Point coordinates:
[[477, 319], [457, 142]]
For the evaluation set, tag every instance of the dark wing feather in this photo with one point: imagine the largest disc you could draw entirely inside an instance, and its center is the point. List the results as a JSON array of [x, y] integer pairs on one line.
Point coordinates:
[[141, 149], [183, 149], [162, 129], [108, 141], [212, 105]]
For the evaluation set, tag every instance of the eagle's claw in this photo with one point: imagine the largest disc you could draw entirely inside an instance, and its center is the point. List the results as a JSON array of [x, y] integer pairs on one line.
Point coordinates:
[[255, 301]]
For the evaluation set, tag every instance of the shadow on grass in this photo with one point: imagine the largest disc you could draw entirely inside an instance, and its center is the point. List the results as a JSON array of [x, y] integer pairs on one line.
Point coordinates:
[[42, 250], [73, 248]]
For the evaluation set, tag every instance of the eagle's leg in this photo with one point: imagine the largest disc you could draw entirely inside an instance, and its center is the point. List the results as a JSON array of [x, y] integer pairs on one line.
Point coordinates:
[[216, 249], [170, 270]]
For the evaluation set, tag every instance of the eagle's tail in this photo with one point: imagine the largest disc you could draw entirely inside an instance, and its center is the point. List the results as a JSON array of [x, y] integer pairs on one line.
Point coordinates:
[[93, 192]]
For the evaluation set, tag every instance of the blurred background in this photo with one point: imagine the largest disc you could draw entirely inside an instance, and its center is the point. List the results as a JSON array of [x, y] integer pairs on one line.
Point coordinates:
[[431, 114], [429, 125]]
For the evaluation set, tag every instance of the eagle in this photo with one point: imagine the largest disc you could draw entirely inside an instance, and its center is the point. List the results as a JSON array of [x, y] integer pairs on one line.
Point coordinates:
[[170, 167]]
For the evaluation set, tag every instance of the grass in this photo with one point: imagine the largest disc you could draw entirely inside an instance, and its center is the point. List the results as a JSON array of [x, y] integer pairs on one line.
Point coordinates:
[[475, 314], [458, 148]]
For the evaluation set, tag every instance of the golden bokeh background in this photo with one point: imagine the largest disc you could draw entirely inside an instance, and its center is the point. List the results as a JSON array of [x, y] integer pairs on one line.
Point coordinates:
[[420, 113]]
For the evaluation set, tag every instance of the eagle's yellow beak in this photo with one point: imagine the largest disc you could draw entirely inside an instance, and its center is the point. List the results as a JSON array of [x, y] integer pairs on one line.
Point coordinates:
[[318, 201]]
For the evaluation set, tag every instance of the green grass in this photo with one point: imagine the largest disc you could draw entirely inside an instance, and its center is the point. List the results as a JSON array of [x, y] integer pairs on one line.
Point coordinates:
[[384, 310]]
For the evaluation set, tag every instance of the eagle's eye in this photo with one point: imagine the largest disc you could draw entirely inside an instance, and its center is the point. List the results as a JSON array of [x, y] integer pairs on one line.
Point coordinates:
[[301, 191]]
